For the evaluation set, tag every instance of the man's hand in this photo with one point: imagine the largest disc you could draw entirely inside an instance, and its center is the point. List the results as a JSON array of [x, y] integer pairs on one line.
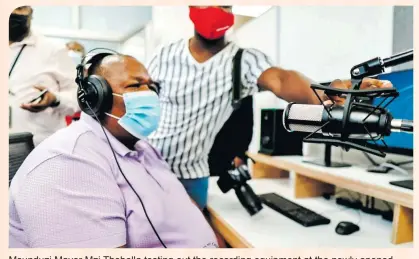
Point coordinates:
[[238, 162], [366, 84], [48, 99]]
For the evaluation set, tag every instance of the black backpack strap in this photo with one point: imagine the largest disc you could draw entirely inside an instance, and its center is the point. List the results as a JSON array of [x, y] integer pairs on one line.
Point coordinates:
[[237, 79]]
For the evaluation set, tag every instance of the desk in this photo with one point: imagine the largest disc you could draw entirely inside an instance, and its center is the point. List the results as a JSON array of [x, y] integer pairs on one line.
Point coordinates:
[[269, 229]]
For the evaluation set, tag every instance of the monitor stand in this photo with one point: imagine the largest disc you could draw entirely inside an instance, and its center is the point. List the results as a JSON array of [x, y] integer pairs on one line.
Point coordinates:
[[327, 162], [387, 166]]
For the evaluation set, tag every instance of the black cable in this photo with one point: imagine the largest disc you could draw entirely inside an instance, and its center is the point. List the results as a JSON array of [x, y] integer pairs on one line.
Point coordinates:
[[344, 191], [399, 164], [344, 208], [388, 205], [405, 163], [371, 160], [350, 195], [119, 167]]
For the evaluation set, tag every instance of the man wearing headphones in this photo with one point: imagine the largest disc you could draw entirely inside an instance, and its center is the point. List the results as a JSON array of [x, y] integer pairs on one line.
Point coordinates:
[[97, 183], [196, 82]]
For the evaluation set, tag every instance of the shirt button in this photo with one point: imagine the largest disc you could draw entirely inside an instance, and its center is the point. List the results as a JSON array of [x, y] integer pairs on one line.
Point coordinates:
[[133, 154]]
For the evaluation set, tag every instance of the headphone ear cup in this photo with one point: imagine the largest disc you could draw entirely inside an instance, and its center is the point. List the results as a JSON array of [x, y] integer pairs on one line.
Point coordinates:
[[85, 94], [97, 93], [105, 95]]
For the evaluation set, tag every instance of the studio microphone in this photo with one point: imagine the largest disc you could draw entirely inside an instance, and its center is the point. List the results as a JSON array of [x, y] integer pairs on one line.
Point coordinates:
[[363, 123]]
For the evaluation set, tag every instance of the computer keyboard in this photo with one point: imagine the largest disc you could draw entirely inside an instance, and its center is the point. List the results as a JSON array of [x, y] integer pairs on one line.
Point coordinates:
[[293, 211]]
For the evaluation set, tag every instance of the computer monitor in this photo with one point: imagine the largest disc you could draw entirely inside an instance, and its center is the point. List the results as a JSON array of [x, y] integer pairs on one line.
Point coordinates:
[[401, 108]]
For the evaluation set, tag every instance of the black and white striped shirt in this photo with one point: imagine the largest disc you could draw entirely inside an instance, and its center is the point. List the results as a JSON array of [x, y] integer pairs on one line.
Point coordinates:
[[196, 101]]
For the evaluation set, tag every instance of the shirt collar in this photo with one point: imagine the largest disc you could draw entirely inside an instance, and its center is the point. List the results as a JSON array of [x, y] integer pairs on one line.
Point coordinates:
[[98, 129]]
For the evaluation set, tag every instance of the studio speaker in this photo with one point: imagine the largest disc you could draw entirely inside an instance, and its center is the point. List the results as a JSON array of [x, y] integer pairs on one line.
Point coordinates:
[[274, 139]]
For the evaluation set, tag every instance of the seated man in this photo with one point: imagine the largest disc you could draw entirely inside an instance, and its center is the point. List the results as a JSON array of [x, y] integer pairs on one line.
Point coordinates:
[[73, 191]]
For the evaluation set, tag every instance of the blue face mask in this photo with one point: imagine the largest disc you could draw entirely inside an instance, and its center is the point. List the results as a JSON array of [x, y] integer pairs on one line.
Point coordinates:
[[142, 114]]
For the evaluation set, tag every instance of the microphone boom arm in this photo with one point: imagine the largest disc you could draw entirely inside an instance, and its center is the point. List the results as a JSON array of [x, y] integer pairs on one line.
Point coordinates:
[[377, 65]]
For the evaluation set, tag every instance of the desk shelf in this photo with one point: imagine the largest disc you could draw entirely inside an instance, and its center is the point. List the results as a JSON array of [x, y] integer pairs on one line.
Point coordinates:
[[270, 229], [313, 181]]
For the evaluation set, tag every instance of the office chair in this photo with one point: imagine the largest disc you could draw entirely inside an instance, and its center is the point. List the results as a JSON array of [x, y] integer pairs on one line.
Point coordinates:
[[20, 145]]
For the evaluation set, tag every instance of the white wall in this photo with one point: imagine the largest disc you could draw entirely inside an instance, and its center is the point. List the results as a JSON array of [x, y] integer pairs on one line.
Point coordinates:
[[250, 10], [403, 33], [324, 42], [53, 16], [169, 24], [135, 46], [120, 19], [148, 42], [260, 33], [88, 44]]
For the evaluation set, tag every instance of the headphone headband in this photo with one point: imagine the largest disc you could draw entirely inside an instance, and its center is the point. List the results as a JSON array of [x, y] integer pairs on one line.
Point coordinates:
[[110, 51]]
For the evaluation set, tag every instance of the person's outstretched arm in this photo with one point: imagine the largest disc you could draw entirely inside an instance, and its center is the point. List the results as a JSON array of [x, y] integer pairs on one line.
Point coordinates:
[[289, 85]]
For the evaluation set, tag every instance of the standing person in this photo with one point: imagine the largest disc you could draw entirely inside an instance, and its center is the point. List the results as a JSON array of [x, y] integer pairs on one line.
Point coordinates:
[[195, 76], [76, 51], [38, 66]]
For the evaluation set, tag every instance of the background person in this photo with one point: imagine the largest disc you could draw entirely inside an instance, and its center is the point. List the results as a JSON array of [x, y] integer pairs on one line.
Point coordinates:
[[36, 65], [76, 51]]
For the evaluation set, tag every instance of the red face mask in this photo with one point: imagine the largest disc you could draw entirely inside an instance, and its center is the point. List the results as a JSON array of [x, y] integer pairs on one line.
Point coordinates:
[[211, 22]]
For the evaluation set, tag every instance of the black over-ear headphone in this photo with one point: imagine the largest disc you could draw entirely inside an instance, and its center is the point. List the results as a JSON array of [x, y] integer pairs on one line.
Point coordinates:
[[94, 94]]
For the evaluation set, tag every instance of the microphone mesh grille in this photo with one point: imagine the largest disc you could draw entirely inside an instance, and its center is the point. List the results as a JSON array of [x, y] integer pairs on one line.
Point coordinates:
[[304, 113]]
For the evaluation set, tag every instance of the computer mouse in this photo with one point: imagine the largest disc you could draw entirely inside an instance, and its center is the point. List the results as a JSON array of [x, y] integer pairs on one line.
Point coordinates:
[[346, 228]]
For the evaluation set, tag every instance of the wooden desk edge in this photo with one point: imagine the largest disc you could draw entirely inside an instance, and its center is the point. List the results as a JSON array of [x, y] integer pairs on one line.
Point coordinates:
[[365, 188], [229, 234]]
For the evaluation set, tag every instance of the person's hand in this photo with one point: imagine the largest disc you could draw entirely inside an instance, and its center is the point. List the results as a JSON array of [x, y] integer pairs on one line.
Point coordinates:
[[238, 162], [47, 100], [367, 83]]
